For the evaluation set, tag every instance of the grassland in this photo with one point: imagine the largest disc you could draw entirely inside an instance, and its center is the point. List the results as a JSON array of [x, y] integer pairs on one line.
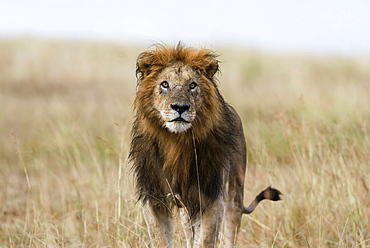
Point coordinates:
[[65, 116]]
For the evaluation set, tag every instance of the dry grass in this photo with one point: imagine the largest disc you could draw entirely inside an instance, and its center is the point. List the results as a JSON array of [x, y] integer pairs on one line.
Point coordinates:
[[64, 125]]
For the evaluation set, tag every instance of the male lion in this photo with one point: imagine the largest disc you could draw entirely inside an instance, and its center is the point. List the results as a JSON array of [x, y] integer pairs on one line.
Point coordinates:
[[188, 149]]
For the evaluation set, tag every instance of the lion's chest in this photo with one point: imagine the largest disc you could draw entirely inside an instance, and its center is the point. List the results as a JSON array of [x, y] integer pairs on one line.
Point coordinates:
[[180, 167], [190, 172]]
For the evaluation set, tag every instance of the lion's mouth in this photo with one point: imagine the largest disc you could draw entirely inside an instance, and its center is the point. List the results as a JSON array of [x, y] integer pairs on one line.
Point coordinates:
[[179, 119]]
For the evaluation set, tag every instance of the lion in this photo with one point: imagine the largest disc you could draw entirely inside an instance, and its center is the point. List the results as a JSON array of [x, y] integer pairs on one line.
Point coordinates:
[[188, 149]]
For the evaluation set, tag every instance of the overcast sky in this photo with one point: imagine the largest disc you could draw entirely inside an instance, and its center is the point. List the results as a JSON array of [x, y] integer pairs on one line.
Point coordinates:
[[314, 25]]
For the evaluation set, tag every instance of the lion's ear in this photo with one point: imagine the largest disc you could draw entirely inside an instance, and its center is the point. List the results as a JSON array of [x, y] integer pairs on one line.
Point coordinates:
[[207, 63], [211, 69], [143, 65]]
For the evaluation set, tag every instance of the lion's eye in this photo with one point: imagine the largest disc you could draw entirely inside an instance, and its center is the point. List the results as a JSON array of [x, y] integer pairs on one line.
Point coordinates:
[[165, 84], [193, 85]]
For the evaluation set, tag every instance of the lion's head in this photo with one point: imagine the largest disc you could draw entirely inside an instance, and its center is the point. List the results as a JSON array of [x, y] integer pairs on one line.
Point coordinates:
[[177, 89]]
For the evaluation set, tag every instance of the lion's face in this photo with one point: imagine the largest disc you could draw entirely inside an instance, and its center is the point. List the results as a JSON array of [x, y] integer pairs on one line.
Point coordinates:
[[176, 97], [176, 90]]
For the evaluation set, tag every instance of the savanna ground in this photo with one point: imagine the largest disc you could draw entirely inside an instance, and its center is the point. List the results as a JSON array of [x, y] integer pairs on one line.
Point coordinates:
[[65, 116]]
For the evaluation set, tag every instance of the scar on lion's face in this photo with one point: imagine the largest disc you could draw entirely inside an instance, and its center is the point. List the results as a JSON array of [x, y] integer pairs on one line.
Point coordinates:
[[176, 97]]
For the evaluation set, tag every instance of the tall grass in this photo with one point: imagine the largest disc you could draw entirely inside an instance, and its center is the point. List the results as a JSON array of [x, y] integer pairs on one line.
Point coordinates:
[[64, 126]]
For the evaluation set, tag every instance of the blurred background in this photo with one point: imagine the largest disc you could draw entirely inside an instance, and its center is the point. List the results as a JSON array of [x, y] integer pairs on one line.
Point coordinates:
[[315, 26], [298, 73]]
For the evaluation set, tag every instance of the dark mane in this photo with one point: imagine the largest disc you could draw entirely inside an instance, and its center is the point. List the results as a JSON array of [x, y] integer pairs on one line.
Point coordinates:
[[158, 178]]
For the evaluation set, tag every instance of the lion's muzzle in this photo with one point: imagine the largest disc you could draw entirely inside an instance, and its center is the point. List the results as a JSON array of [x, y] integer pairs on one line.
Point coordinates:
[[180, 108], [178, 118]]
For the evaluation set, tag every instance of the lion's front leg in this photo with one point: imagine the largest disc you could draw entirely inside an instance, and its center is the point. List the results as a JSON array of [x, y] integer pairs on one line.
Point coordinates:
[[187, 226], [160, 227], [210, 223]]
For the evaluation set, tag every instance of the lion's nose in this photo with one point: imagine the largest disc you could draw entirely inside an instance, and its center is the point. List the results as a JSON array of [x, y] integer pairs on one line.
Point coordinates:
[[180, 108]]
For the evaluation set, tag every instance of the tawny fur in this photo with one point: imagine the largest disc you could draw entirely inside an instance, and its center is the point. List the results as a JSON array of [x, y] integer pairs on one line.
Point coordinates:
[[188, 148]]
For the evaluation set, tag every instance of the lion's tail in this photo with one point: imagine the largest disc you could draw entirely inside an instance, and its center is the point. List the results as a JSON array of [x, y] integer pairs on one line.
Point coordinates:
[[269, 193]]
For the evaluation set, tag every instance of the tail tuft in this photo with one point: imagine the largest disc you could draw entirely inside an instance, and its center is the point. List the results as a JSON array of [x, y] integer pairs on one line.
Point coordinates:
[[269, 193], [272, 194]]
